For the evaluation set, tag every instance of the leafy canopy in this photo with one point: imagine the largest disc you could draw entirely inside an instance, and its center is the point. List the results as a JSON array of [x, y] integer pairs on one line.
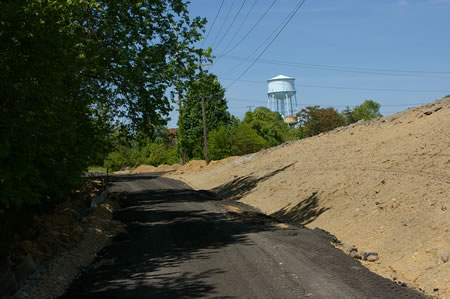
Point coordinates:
[[268, 124], [315, 120], [216, 109], [69, 70], [367, 110]]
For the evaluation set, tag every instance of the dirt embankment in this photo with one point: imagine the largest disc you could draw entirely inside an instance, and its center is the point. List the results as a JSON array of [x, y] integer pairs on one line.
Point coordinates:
[[382, 185], [191, 166], [45, 258]]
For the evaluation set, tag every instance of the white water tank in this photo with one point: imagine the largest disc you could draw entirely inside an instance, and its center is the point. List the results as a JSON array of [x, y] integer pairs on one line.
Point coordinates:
[[281, 87], [281, 95]]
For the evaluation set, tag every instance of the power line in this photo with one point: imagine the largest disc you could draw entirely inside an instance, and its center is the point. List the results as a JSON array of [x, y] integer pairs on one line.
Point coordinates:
[[324, 105], [346, 88], [300, 4], [403, 73], [241, 25], [214, 22], [231, 25], [253, 27], [223, 24], [273, 33]]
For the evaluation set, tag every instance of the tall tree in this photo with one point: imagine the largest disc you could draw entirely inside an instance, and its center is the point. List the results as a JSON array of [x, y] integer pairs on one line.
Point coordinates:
[[216, 109], [63, 61]]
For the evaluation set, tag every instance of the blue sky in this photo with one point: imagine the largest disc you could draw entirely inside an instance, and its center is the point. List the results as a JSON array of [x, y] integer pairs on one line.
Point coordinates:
[[340, 52]]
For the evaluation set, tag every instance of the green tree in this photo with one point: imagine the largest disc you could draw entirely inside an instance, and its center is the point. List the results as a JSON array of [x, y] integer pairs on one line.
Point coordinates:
[[315, 120], [246, 140], [221, 142], [68, 70], [121, 149], [160, 153], [216, 108], [269, 125], [367, 110], [347, 115]]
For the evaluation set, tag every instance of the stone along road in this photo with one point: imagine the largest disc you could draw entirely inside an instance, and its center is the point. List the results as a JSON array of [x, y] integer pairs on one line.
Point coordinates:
[[182, 243]]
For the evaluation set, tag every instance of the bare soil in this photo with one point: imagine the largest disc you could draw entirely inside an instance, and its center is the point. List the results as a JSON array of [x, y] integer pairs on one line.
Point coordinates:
[[60, 245], [381, 185], [194, 165]]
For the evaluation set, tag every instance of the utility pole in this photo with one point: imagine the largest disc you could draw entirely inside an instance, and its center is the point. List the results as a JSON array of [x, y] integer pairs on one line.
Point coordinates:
[[250, 107], [180, 127], [205, 131], [205, 128]]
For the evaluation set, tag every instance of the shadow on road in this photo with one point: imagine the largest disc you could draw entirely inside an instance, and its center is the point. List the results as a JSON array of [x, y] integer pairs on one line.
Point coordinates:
[[239, 187], [144, 261], [303, 213]]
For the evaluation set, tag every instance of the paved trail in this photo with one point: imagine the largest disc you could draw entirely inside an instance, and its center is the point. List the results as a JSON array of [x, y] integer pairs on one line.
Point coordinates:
[[181, 243]]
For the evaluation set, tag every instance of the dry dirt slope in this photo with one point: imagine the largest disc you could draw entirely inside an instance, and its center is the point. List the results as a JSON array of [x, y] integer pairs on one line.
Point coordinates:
[[382, 185]]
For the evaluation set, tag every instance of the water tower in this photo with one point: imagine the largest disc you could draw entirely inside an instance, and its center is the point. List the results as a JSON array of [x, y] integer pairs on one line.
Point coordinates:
[[282, 94]]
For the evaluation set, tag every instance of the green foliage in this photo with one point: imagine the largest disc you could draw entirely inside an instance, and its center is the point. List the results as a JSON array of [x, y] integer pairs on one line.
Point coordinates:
[[119, 159], [259, 130], [68, 70], [315, 120], [235, 141], [221, 142], [129, 150], [162, 154], [246, 140], [97, 169], [268, 125], [217, 115], [367, 110], [347, 116]]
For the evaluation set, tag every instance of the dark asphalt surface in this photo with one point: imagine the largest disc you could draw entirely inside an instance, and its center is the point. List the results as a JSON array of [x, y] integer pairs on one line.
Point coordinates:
[[181, 243]]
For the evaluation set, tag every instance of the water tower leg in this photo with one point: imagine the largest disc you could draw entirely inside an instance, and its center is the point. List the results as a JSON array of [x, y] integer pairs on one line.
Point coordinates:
[[292, 108]]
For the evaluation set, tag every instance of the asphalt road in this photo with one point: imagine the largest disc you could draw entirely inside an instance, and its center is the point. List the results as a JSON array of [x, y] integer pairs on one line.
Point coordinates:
[[181, 243]]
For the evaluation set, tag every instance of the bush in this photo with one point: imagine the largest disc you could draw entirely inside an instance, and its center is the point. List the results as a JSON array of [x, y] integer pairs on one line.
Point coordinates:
[[220, 143], [161, 154], [246, 141]]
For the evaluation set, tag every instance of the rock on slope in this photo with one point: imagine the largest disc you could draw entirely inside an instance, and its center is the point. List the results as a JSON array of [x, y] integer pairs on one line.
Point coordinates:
[[382, 185]]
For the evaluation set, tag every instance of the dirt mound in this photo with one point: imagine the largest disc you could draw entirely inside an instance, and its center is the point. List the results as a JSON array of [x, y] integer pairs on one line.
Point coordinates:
[[50, 232], [192, 166], [381, 185], [61, 244], [160, 168], [195, 166], [165, 167], [144, 169]]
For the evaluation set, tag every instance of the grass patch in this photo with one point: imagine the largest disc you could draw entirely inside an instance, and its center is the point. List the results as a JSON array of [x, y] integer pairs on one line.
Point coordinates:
[[97, 169]]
